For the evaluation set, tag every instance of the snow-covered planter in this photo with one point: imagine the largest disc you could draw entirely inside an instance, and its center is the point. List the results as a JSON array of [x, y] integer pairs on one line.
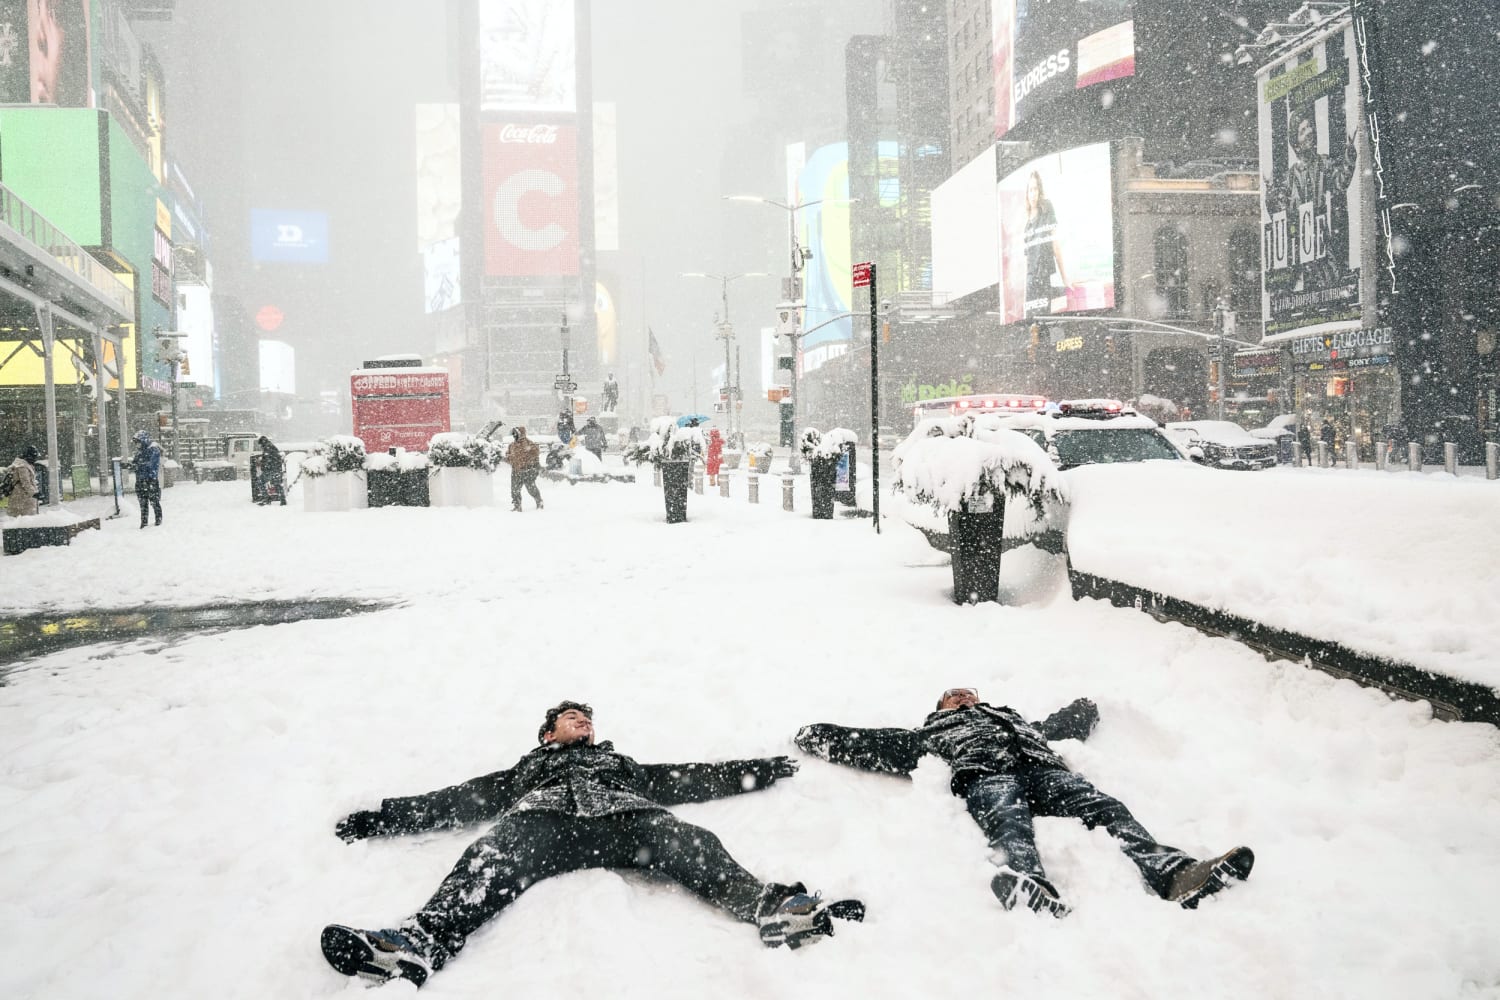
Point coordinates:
[[335, 479], [963, 465], [463, 467], [759, 453], [398, 480], [669, 443], [816, 445]]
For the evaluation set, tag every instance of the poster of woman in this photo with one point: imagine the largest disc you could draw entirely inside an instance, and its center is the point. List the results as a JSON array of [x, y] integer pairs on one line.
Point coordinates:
[[58, 52]]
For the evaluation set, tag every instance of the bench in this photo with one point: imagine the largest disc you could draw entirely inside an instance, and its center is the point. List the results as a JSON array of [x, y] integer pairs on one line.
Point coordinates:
[[18, 540]]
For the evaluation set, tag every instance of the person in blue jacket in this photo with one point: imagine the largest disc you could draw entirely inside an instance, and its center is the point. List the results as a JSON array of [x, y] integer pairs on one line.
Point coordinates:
[[147, 465], [1005, 771]]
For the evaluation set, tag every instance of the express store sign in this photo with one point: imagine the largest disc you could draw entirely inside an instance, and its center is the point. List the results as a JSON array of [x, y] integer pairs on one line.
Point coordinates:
[[531, 199]]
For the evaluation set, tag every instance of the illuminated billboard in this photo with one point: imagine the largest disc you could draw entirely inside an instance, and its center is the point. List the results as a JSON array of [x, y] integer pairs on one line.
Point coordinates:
[[1311, 114], [1057, 235], [441, 278], [531, 197], [527, 56], [46, 53], [439, 187], [278, 367], [195, 321], [287, 237], [606, 178], [965, 249], [1045, 49], [824, 229]]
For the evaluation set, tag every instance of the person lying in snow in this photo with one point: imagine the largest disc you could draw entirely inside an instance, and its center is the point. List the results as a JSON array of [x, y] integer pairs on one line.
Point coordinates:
[[568, 805], [1005, 772]]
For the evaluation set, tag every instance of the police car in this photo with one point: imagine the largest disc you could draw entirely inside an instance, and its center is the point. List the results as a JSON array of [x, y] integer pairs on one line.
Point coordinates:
[[1093, 432]]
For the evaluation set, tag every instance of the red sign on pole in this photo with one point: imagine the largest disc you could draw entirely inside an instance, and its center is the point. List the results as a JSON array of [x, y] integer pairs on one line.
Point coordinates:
[[862, 274]]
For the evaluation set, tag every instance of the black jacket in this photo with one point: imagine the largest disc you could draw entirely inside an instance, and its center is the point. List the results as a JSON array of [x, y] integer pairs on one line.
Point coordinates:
[[577, 780], [982, 740]]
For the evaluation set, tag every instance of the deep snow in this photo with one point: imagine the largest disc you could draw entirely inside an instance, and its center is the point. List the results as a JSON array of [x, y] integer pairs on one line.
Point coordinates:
[[167, 806]]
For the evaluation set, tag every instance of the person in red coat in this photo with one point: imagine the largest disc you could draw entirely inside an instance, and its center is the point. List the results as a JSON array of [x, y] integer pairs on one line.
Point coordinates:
[[715, 457]]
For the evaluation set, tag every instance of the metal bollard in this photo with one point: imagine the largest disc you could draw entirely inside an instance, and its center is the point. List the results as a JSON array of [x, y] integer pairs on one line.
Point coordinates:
[[698, 480], [656, 475], [1414, 456], [1492, 460], [1351, 455], [1380, 456], [723, 484], [787, 482], [1450, 458], [754, 484], [1322, 454]]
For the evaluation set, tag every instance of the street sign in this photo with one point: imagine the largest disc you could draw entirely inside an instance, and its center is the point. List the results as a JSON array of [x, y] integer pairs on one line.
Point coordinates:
[[862, 274], [563, 385]]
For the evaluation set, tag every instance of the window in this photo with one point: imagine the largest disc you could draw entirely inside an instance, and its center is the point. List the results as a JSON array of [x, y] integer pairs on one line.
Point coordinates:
[[1172, 270], [1244, 271]]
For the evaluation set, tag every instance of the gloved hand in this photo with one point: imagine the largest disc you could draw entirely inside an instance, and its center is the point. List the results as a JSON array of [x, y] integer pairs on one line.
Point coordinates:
[[358, 826], [813, 739], [783, 767]]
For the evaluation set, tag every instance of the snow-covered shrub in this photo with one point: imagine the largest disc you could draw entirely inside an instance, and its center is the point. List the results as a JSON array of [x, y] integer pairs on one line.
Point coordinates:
[[830, 445], [668, 443], [341, 453], [956, 464], [456, 450]]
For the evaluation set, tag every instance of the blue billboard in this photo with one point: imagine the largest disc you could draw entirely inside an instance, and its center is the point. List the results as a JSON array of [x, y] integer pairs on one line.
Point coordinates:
[[285, 237]]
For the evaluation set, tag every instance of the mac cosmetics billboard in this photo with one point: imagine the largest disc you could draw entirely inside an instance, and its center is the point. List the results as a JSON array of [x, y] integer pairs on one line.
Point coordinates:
[[1311, 114], [1057, 235], [1046, 48]]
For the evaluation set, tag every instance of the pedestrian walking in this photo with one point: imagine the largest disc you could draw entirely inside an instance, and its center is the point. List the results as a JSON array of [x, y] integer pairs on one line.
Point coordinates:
[[523, 457], [565, 427], [272, 472], [1006, 773], [1304, 444], [593, 437], [714, 459], [569, 805], [147, 465], [1327, 436], [19, 483]]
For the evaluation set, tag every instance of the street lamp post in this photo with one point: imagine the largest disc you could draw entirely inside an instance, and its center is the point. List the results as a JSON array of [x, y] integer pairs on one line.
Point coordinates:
[[726, 332], [170, 352]]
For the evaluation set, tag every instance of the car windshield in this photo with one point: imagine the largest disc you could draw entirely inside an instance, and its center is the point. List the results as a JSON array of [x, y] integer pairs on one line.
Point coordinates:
[[1120, 444]]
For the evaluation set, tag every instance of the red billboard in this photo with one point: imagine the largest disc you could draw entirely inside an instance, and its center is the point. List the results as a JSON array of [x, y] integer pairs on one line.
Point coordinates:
[[399, 409], [531, 200]]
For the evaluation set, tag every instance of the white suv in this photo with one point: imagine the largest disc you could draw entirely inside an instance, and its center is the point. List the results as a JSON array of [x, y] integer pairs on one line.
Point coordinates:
[[1094, 431]]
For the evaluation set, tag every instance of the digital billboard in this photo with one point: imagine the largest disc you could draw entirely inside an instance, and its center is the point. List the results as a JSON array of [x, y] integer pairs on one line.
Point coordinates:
[[1311, 114], [531, 197], [287, 237], [439, 187], [1057, 234], [441, 277], [195, 321], [278, 367], [527, 56], [46, 53], [824, 229], [1045, 48], [606, 178], [965, 245]]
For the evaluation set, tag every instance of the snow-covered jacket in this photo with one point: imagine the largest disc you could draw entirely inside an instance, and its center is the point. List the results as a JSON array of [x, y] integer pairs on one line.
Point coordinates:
[[576, 780], [147, 460], [593, 436], [523, 454], [22, 498], [976, 741]]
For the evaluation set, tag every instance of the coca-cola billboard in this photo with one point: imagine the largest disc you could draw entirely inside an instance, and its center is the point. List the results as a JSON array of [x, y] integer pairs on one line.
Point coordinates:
[[531, 199]]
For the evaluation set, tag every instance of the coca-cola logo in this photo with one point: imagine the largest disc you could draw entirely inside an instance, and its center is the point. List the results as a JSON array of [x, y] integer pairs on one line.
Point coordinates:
[[544, 135]]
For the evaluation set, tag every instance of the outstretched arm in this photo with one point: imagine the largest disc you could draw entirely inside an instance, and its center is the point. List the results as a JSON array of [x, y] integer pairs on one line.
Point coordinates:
[[891, 751], [674, 784], [475, 800], [1071, 722]]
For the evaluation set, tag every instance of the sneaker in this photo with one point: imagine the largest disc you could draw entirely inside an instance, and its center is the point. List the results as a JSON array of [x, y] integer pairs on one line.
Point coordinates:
[[1033, 891], [791, 917], [1204, 878], [378, 956]]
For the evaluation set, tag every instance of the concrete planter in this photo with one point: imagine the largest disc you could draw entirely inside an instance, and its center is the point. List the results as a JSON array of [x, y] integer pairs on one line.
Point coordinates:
[[334, 491], [460, 487]]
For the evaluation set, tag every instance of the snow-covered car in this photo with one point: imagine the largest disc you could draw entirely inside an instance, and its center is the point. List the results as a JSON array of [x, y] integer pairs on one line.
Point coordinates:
[[1093, 432], [1221, 444]]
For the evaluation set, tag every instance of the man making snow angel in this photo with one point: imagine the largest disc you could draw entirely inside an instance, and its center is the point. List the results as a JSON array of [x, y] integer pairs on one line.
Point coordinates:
[[1006, 773], [568, 805]]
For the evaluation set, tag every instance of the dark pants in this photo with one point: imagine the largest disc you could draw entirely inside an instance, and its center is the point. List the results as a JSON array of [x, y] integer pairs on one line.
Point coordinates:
[[1003, 805], [148, 492], [526, 478], [527, 847]]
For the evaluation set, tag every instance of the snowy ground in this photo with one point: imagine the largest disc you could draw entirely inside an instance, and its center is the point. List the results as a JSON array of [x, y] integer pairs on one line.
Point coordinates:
[[167, 807]]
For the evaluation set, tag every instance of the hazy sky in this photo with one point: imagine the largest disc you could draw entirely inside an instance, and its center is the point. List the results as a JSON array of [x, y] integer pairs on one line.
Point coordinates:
[[308, 104]]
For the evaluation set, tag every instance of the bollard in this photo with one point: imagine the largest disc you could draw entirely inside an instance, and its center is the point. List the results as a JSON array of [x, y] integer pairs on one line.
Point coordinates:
[[656, 475], [1414, 456], [698, 480], [1450, 458], [723, 484], [786, 492], [1491, 460], [1322, 454], [1351, 455], [1380, 456], [754, 485]]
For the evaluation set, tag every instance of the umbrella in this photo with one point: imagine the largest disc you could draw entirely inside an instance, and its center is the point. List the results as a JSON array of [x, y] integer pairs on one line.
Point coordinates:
[[688, 418]]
